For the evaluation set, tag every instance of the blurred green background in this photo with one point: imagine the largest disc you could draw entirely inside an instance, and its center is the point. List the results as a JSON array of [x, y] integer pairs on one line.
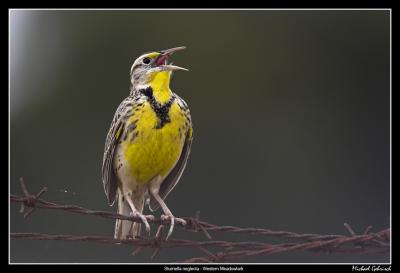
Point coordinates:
[[290, 109]]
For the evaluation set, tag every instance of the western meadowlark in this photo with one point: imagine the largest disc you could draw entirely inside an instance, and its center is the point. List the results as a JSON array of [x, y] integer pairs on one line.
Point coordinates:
[[147, 145]]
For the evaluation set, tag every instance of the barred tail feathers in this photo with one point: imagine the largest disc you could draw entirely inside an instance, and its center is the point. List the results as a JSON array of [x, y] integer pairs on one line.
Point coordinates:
[[124, 228]]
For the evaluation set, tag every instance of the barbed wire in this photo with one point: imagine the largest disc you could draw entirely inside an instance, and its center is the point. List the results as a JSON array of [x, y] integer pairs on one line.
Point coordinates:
[[378, 242]]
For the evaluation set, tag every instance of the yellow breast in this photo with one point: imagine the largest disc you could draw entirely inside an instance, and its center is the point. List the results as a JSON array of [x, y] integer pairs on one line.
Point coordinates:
[[150, 151]]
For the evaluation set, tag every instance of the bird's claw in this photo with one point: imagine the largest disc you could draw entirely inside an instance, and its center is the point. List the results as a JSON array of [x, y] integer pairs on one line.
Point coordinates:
[[144, 220], [172, 220], [180, 220]]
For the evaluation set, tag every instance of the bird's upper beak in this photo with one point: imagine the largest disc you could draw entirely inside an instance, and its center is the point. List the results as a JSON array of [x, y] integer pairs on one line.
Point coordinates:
[[161, 60]]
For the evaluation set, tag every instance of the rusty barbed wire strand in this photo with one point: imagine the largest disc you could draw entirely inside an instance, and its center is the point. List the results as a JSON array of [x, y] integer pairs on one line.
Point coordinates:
[[330, 246], [193, 224], [251, 248], [378, 242]]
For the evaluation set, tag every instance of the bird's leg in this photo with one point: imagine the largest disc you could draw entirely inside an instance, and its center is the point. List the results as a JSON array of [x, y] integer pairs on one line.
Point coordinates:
[[167, 213], [135, 212]]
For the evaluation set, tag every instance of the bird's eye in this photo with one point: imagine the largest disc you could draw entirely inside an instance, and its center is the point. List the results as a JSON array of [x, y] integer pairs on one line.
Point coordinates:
[[146, 60]]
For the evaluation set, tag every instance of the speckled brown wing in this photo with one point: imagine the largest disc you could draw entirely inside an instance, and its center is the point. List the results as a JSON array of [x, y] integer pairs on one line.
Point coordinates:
[[109, 177]]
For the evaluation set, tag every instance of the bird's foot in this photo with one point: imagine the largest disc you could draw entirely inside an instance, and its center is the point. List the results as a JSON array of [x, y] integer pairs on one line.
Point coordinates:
[[144, 219], [172, 219]]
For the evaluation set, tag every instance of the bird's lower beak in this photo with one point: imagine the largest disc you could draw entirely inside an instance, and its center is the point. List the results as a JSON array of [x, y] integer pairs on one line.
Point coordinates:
[[162, 59], [171, 67]]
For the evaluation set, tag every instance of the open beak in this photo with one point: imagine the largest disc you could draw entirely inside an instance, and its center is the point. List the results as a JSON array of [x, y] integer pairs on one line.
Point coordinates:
[[162, 59]]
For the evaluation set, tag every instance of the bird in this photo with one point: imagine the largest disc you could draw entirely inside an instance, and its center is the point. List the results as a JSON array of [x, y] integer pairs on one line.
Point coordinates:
[[147, 145]]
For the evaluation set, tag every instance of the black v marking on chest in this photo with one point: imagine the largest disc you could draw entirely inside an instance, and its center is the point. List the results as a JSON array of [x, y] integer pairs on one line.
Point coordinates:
[[161, 110]]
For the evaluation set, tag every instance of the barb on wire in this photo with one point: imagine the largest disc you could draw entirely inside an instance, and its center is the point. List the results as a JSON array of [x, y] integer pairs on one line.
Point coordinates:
[[367, 242]]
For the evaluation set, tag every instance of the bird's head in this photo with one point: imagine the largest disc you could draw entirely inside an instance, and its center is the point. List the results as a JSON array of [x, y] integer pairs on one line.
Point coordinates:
[[147, 66]]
